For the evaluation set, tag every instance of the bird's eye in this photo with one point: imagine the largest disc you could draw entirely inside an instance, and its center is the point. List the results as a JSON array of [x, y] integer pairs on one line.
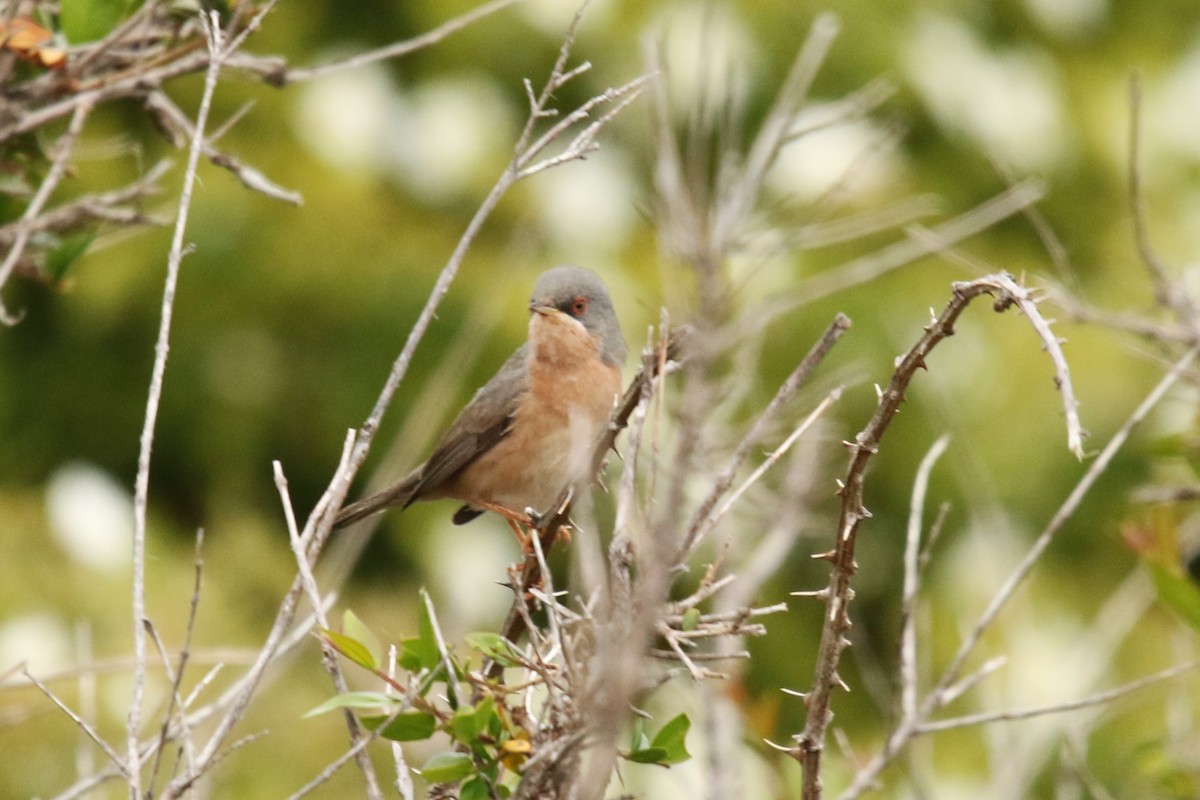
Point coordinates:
[[579, 306]]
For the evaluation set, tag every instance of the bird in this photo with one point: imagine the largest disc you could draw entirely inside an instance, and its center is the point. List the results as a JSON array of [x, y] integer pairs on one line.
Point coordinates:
[[529, 432]]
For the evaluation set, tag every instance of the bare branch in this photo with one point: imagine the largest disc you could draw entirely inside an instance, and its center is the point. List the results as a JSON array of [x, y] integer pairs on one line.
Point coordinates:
[[82, 723], [142, 483], [1098, 699], [1166, 292], [394, 50], [703, 518], [64, 146], [912, 578]]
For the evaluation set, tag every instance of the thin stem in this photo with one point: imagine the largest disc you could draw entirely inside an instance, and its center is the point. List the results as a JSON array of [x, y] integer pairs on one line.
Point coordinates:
[[161, 348]]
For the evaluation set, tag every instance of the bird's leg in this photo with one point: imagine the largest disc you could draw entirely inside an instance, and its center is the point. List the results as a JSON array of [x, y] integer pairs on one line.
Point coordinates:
[[515, 520]]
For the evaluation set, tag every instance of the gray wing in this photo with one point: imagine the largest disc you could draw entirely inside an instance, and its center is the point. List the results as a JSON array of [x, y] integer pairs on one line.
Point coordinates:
[[477, 428]]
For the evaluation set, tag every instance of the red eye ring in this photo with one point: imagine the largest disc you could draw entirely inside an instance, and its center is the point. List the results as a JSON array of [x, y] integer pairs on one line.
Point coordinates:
[[579, 306]]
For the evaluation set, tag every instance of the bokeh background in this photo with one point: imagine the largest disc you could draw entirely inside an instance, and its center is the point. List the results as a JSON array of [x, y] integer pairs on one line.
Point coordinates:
[[288, 319]]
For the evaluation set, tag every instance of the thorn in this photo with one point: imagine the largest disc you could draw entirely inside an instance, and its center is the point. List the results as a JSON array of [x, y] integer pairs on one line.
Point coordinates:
[[815, 594], [828, 555], [878, 392], [841, 684], [802, 695], [791, 751]]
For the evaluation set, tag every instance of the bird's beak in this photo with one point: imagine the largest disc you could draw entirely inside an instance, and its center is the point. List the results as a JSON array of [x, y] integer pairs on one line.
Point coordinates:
[[544, 310]]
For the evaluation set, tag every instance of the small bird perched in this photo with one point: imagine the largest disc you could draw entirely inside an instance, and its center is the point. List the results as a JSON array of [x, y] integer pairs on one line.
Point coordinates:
[[528, 433]]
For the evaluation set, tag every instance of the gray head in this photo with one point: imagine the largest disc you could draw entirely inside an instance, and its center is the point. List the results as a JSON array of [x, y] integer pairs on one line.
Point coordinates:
[[581, 294]]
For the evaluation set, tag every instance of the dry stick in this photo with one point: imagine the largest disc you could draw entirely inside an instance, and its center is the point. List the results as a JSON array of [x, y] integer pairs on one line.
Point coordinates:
[[1024, 300], [1168, 294], [82, 723], [103, 87], [705, 517], [912, 578], [85, 757], [102, 207], [837, 596], [1100, 698], [172, 118], [774, 133], [949, 686], [174, 699], [329, 656], [64, 146], [871, 266], [776, 454], [397, 49], [142, 483]]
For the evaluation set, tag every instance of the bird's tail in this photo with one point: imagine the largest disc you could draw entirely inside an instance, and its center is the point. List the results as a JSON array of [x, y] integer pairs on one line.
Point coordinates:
[[398, 495]]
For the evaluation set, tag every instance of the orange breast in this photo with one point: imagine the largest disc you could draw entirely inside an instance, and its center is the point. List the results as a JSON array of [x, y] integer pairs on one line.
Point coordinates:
[[571, 395]]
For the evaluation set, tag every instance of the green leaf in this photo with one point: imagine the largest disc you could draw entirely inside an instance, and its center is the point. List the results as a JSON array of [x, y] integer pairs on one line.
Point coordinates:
[[446, 767], [493, 646], [469, 722], [691, 618], [353, 627], [651, 755], [669, 745], [409, 726], [474, 789], [672, 738], [1176, 591], [352, 649], [372, 700], [421, 652]]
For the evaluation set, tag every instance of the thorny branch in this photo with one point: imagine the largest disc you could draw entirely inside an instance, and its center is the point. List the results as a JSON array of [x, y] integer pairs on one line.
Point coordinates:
[[838, 594], [951, 684]]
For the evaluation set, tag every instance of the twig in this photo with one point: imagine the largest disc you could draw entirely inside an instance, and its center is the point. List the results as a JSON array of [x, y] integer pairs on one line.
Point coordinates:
[[704, 518], [173, 119], [142, 483], [82, 723], [1166, 292], [912, 578], [397, 49], [776, 127], [869, 267], [1098, 699], [64, 146], [329, 656], [174, 699], [776, 454]]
